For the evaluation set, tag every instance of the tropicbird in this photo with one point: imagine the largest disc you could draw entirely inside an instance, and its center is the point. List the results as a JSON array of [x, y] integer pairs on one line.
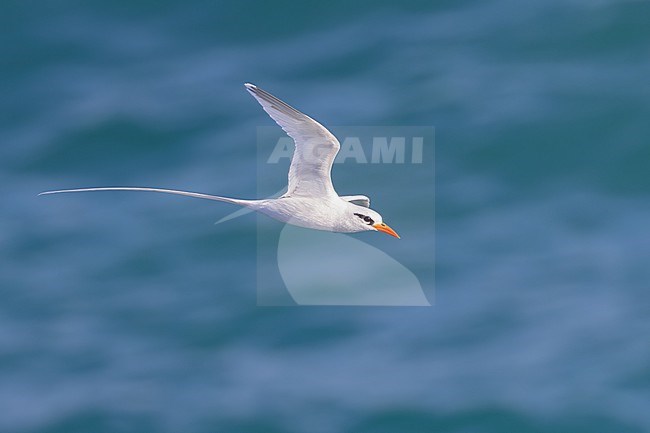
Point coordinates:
[[310, 200]]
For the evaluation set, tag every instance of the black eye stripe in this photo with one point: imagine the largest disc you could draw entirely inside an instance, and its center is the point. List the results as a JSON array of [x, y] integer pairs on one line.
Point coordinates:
[[366, 218]]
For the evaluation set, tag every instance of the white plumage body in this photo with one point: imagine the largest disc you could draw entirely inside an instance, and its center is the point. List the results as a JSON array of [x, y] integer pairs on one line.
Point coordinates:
[[328, 214]]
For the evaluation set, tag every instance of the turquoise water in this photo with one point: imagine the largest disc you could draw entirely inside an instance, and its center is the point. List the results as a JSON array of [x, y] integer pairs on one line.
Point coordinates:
[[134, 313]]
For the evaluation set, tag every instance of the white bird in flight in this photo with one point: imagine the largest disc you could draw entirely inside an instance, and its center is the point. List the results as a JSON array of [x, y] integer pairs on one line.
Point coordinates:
[[310, 200]]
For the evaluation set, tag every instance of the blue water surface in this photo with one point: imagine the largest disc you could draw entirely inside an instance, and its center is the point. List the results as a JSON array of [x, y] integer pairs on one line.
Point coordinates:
[[128, 312]]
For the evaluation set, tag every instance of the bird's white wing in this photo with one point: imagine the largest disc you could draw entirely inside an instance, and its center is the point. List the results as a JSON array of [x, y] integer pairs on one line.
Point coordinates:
[[359, 200], [316, 147]]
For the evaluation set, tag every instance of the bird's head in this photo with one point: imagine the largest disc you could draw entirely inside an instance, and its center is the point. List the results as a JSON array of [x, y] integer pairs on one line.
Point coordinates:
[[367, 219]]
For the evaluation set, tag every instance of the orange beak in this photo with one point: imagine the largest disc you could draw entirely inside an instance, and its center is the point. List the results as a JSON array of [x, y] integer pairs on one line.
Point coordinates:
[[384, 228]]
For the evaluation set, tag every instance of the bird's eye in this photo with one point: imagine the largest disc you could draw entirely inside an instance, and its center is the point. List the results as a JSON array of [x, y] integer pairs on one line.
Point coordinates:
[[367, 219]]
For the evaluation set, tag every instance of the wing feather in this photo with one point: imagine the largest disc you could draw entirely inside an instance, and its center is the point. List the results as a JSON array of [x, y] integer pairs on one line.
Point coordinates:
[[316, 147], [359, 200]]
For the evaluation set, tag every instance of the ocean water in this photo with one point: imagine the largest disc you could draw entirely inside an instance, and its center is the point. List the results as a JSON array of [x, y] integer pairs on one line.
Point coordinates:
[[126, 312]]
